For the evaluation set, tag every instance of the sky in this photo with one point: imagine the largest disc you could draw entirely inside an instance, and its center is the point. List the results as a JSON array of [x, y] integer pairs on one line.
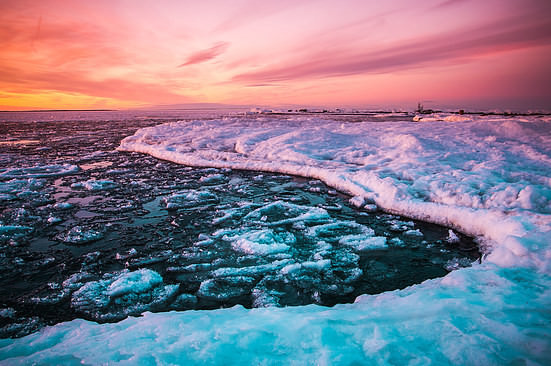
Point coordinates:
[[350, 53]]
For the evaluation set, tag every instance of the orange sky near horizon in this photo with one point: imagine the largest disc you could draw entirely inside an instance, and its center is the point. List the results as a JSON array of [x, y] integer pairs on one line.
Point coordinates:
[[126, 54]]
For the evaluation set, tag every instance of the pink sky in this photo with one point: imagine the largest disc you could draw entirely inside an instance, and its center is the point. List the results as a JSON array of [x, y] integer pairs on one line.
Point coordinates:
[[123, 54]]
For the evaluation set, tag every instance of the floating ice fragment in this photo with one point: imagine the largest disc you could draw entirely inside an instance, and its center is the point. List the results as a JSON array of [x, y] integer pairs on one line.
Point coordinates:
[[40, 171], [264, 298], [118, 295], [138, 281], [321, 265], [184, 301], [357, 201], [213, 179], [54, 219], [281, 213], [262, 242], [397, 225], [19, 188], [79, 235], [251, 270], [95, 185], [191, 268], [224, 288], [362, 242], [131, 253], [370, 207], [63, 206], [189, 199], [336, 231], [412, 232], [21, 327], [396, 241], [7, 313], [452, 237], [234, 213], [457, 263], [14, 230]]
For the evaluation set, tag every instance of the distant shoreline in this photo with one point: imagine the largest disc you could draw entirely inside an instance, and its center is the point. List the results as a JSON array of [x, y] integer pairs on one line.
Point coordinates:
[[308, 112], [368, 113], [62, 110]]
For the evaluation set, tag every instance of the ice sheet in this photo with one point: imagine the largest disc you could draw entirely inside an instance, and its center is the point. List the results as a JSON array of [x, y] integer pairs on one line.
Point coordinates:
[[485, 177]]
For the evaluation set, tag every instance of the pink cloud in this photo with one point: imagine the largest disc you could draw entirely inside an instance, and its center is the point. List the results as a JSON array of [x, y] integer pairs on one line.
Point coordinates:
[[206, 55], [453, 47]]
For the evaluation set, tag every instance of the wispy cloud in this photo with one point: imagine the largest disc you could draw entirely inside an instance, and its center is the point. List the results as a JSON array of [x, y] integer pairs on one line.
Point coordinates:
[[255, 11], [449, 3], [206, 55], [452, 47]]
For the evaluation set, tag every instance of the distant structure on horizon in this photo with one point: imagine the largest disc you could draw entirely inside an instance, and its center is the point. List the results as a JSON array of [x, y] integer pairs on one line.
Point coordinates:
[[422, 110]]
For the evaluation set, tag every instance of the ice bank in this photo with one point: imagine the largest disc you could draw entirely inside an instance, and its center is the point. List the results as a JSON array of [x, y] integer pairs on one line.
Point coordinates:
[[490, 178]]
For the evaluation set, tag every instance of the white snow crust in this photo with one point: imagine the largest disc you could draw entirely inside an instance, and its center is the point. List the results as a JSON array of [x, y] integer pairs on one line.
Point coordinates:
[[489, 177]]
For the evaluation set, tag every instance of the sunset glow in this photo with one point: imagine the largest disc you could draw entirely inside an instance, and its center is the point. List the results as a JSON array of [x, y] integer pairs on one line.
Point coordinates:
[[126, 54]]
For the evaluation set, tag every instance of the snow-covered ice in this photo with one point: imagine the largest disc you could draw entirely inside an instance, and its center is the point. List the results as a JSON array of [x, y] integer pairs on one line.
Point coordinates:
[[260, 242], [190, 198], [117, 295], [271, 214], [95, 185], [487, 177], [79, 235]]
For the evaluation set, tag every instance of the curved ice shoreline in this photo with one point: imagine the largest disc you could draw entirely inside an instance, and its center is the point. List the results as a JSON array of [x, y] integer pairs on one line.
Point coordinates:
[[487, 178]]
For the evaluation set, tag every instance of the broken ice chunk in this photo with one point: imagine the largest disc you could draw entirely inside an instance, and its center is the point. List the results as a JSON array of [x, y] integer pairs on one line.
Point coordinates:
[[357, 201], [412, 232], [188, 199], [95, 185], [225, 288], [452, 237], [262, 242], [281, 213], [79, 235], [118, 295]]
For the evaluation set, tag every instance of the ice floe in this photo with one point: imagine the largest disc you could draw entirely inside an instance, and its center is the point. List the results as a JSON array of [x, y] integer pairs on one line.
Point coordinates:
[[40, 171], [188, 199], [80, 235], [95, 185], [280, 213], [117, 295]]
